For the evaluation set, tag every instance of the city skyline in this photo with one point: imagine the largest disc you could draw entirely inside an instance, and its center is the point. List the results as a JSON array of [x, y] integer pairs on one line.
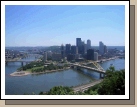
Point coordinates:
[[54, 25]]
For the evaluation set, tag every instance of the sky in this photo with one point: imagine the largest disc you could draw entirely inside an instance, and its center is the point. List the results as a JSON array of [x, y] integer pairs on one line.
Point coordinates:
[[48, 25]]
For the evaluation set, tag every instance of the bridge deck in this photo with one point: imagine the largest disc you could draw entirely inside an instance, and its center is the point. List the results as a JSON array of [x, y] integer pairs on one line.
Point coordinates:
[[90, 68]]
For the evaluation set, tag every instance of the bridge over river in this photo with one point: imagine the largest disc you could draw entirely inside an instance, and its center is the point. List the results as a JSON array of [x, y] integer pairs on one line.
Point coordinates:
[[98, 68], [18, 61], [21, 61]]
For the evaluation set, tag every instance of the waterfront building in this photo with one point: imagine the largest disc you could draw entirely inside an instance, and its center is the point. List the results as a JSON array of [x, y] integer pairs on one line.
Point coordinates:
[[95, 56], [90, 54], [79, 59], [99, 57], [88, 44]]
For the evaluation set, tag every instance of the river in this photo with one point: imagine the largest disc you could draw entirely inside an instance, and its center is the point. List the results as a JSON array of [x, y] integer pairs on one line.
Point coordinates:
[[44, 82]]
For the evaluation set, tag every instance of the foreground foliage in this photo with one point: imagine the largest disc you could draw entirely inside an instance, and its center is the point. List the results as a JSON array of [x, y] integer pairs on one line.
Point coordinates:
[[113, 83]]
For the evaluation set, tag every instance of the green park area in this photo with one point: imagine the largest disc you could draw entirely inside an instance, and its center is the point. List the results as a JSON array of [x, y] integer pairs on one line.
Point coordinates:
[[41, 67]]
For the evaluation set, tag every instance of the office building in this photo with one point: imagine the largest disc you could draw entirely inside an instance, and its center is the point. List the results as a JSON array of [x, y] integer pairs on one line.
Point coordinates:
[[101, 48], [78, 42], [68, 49], [77, 56], [86, 48], [82, 48], [70, 57], [45, 56], [62, 51], [105, 49], [88, 44], [56, 57], [95, 56], [49, 54], [90, 54], [74, 50]]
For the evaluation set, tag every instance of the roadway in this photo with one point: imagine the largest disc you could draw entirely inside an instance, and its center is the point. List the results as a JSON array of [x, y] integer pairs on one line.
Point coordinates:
[[86, 86]]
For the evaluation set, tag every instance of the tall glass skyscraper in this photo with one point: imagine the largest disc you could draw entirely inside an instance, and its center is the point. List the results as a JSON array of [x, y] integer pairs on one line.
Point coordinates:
[[68, 49], [74, 50], [78, 42], [62, 51], [101, 48], [90, 54], [88, 44]]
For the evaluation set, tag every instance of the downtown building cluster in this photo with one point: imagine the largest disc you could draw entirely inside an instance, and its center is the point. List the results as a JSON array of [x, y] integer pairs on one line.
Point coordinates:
[[78, 52], [82, 51]]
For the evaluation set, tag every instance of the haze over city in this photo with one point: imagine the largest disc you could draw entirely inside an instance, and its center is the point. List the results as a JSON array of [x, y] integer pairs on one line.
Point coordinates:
[[54, 25]]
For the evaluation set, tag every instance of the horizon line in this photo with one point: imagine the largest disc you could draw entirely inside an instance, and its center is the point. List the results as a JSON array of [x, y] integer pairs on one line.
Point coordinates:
[[51, 45]]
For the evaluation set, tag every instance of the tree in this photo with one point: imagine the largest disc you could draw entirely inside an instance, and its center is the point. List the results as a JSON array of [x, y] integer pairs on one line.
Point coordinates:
[[60, 90], [113, 83]]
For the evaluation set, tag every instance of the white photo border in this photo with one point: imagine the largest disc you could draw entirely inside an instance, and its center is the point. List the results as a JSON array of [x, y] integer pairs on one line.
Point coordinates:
[[126, 3]]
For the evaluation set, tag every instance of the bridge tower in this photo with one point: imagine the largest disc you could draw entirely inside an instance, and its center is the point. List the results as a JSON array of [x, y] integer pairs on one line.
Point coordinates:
[[97, 65], [99, 68]]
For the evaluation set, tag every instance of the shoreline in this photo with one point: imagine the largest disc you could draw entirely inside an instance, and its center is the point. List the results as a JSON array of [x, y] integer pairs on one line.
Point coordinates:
[[24, 73]]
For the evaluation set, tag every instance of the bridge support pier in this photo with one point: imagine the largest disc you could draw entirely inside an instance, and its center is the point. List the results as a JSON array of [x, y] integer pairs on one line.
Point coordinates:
[[78, 68], [102, 75]]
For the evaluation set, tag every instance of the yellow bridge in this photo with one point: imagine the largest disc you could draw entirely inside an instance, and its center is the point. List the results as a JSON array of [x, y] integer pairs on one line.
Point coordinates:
[[94, 63], [98, 66]]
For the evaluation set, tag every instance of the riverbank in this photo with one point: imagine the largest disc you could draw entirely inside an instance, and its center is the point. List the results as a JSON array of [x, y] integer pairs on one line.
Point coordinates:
[[24, 73], [20, 73], [104, 60]]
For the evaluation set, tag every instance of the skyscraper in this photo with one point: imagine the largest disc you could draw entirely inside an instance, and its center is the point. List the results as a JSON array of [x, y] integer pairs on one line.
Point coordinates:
[[68, 49], [74, 49], [90, 54], [101, 48], [62, 51], [88, 44], [78, 42], [95, 56], [105, 49], [82, 48], [45, 56]]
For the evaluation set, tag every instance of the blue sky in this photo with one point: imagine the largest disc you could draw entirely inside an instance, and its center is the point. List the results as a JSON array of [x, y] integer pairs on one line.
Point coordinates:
[[53, 25]]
